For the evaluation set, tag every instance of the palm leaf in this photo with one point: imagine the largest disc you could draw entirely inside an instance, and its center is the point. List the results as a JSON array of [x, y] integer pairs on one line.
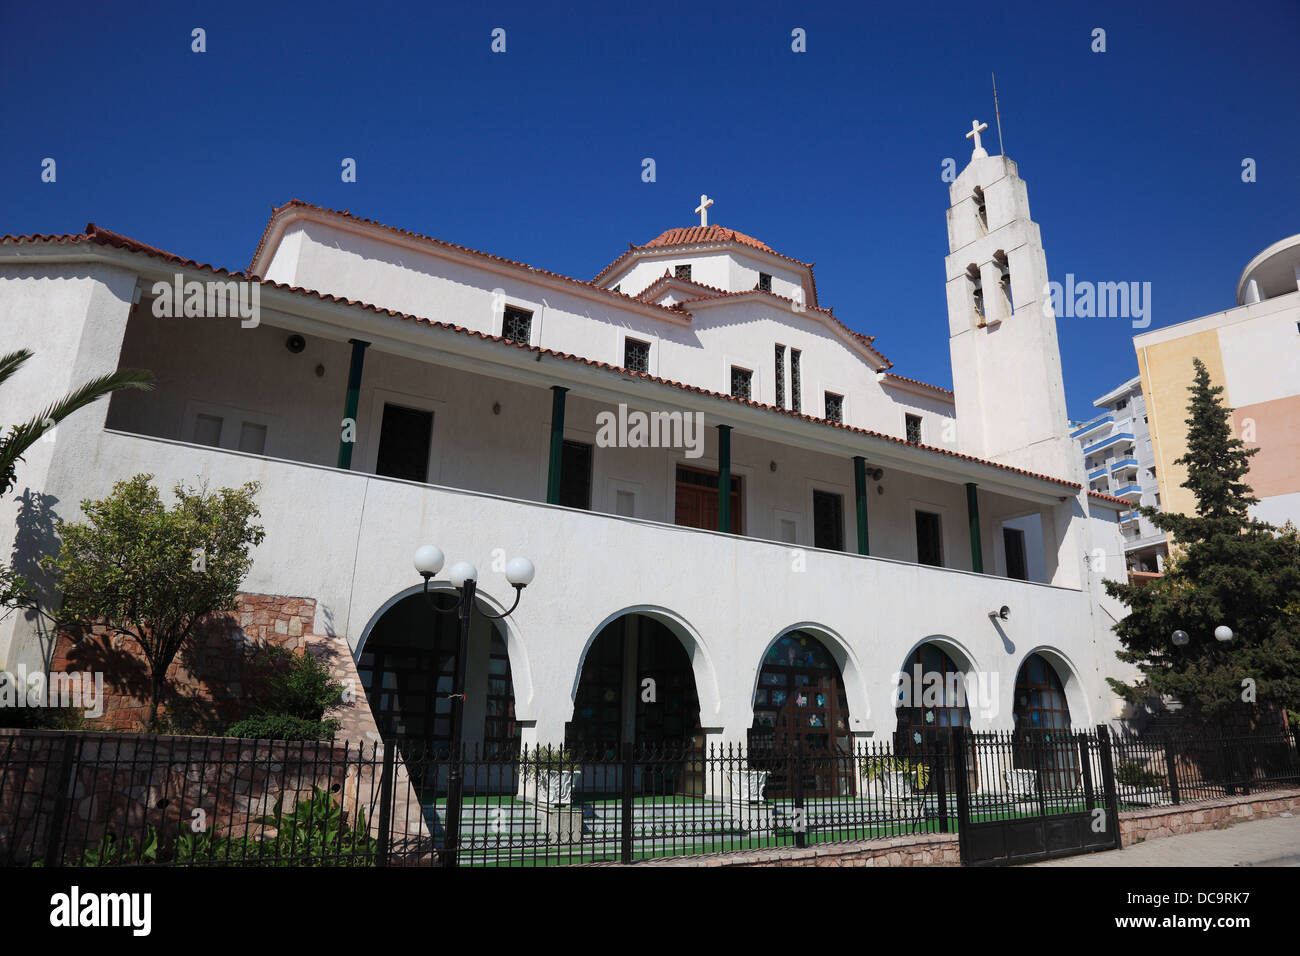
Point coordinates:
[[12, 362], [22, 437]]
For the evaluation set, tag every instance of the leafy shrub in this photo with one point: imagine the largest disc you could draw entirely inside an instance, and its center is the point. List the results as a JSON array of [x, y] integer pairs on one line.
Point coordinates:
[[536, 764], [283, 727], [1131, 774]]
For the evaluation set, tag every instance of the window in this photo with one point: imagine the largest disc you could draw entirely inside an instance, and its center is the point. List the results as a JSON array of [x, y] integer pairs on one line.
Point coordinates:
[[780, 376], [742, 380], [1013, 540], [828, 520], [796, 381], [913, 423], [517, 325], [207, 430], [252, 438], [929, 539], [764, 282], [636, 355], [618, 288], [575, 475], [683, 272], [834, 407], [405, 437]]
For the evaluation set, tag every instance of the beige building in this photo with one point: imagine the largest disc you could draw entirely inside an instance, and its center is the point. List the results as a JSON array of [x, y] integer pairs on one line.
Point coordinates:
[[1253, 350]]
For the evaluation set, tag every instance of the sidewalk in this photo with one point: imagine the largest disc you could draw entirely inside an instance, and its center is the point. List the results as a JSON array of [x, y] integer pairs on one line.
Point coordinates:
[[1273, 842]]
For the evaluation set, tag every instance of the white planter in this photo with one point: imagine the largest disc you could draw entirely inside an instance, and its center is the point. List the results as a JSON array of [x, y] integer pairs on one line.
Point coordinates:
[[554, 787], [746, 786]]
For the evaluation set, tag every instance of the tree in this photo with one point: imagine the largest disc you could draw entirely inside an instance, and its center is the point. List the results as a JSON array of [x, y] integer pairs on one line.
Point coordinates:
[[1225, 569], [154, 574], [14, 591]]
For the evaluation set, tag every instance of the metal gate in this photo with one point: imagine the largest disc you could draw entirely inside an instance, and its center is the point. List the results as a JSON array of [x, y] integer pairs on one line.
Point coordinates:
[[1042, 794]]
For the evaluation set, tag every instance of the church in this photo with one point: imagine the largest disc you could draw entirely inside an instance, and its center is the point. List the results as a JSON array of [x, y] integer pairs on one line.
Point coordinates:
[[794, 525]]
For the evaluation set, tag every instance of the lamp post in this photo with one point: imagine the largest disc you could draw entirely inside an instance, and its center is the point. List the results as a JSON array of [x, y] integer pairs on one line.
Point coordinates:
[[464, 578]]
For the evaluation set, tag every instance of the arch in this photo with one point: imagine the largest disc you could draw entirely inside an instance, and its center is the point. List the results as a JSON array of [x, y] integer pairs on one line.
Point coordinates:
[[1076, 697], [706, 679], [521, 673], [851, 671]]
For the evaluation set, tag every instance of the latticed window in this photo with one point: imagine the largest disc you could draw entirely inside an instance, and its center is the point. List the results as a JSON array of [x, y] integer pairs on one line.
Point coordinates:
[[636, 355], [683, 272], [780, 376], [764, 282], [834, 407], [742, 381], [518, 325], [796, 401], [914, 428]]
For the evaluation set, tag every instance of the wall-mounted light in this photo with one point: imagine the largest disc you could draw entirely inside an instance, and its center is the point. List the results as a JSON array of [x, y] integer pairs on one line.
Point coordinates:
[[295, 343], [496, 408], [320, 371], [1002, 614]]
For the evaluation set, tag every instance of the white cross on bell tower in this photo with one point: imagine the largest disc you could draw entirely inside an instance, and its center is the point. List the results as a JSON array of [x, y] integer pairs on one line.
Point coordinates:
[[976, 127], [703, 209]]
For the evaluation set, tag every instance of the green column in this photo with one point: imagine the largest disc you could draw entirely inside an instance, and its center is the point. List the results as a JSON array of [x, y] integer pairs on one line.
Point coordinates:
[[973, 510], [724, 478], [860, 486], [557, 444], [350, 403]]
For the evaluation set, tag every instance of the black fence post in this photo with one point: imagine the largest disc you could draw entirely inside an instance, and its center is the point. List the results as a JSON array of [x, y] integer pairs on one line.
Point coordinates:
[[625, 834], [941, 771], [54, 840], [959, 740], [1171, 770], [385, 801], [1108, 783], [801, 822], [1085, 759]]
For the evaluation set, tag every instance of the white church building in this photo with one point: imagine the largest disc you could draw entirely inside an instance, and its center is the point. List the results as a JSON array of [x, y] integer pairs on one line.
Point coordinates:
[[724, 489]]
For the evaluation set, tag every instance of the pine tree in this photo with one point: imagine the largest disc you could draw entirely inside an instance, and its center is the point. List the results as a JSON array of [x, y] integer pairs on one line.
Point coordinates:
[[1225, 569]]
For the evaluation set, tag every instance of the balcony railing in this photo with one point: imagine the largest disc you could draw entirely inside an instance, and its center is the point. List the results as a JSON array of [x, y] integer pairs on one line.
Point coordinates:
[[1123, 463], [1092, 426], [1107, 442]]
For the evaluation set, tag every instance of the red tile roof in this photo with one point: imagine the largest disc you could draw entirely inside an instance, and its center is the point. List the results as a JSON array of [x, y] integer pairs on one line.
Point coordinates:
[[913, 381], [104, 237], [1105, 497], [704, 235], [696, 235]]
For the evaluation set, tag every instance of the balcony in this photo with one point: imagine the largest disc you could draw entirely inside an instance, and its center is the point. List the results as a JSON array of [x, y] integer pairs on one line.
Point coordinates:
[[1130, 493], [1123, 465], [1118, 440], [1089, 427], [1128, 517], [1099, 473]]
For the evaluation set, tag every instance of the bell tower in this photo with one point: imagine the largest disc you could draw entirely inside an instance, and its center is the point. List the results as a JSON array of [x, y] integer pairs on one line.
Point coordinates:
[[1006, 363]]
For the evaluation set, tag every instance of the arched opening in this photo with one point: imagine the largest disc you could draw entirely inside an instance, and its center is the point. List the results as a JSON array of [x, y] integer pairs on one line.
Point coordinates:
[[638, 686], [800, 703], [408, 666], [1042, 721], [931, 703]]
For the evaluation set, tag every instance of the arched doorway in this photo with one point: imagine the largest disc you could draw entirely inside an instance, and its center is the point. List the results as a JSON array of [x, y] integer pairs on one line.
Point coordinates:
[[1042, 721], [800, 703], [637, 686], [408, 665], [931, 703]]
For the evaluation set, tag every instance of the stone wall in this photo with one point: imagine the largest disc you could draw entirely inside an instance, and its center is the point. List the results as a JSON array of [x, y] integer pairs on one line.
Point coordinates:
[[1157, 822], [921, 849], [210, 681], [121, 784]]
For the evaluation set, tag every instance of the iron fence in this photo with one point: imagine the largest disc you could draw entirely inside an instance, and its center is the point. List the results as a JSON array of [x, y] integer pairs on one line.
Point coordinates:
[[78, 799]]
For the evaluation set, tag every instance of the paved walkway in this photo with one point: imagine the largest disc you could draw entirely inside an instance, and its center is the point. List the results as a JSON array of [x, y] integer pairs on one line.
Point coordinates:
[[1272, 842]]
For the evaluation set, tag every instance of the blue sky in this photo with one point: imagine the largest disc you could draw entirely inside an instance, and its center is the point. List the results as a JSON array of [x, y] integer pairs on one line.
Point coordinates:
[[1133, 156]]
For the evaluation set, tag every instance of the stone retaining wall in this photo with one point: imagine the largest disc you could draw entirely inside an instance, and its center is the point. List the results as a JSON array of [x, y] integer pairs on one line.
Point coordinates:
[[1157, 822]]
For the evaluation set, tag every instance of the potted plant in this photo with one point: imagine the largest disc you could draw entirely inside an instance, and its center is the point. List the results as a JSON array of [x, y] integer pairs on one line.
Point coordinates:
[[551, 773], [898, 776]]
